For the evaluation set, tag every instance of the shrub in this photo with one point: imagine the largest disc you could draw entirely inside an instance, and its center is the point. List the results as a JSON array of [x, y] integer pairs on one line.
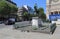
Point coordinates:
[[34, 28]]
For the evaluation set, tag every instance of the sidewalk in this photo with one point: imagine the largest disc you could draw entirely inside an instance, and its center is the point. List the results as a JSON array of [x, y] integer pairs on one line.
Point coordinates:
[[9, 33], [56, 34]]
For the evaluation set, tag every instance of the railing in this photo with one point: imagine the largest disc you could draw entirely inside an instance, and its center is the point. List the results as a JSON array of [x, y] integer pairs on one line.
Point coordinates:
[[51, 27], [22, 24], [26, 25]]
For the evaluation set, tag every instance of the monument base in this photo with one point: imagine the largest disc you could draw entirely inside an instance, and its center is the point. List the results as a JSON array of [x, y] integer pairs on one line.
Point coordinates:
[[36, 22]]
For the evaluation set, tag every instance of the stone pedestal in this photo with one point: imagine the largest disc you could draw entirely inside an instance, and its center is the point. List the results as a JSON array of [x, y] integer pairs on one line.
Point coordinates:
[[36, 22]]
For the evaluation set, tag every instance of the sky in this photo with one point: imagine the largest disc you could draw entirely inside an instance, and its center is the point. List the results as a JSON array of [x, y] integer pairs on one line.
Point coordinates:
[[31, 3]]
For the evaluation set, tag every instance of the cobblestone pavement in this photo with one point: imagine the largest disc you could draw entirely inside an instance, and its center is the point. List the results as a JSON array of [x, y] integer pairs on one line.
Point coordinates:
[[7, 32]]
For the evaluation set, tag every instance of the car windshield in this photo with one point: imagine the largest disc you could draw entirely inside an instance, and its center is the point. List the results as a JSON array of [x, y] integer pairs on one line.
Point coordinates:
[[12, 19]]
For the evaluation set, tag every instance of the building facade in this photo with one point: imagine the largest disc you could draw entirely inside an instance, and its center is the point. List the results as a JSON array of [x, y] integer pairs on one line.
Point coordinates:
[[53, 9]]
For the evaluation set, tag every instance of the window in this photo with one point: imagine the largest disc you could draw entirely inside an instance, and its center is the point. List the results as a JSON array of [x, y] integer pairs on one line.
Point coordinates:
[[51, 13], [56, 12], [59, 12]]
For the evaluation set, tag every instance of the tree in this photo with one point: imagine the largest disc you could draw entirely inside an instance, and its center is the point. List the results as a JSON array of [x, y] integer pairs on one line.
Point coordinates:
[[13, 8], [25, 15], [41, 13], [4, 8]]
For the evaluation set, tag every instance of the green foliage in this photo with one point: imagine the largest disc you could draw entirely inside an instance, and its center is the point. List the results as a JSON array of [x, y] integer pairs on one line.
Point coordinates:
[[34, 28], [41, 13], [25, 15], [6, 8], [41, 10], [13, 8]]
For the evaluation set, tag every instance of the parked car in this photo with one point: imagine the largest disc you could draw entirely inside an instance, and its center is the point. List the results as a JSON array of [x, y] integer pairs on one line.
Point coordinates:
[[1, 22], [10, 21]]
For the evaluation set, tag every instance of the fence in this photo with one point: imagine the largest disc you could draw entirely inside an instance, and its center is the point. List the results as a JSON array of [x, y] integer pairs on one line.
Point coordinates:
[[22, 24], [47, 27]]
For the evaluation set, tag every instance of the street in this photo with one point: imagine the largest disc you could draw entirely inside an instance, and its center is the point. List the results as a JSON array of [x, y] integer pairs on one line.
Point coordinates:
[[7, 32]]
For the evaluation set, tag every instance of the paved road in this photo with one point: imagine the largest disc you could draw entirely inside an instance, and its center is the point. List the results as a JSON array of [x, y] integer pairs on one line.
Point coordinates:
[[7, 32], [3, 26]]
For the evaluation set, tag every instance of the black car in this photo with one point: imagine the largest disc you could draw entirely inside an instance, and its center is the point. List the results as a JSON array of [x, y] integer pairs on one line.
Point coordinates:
[[10, 21], [1, 22]]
